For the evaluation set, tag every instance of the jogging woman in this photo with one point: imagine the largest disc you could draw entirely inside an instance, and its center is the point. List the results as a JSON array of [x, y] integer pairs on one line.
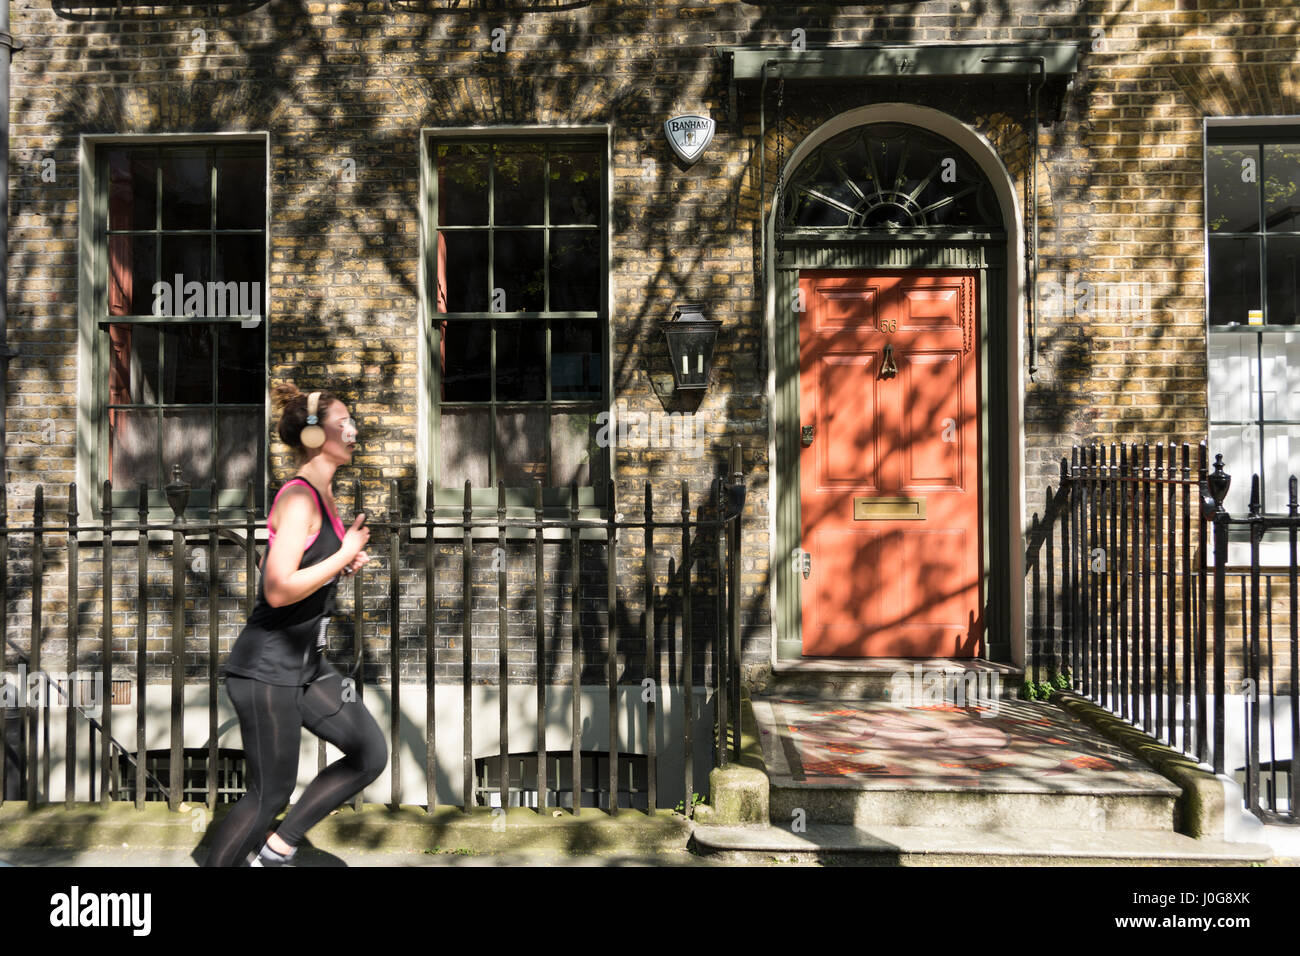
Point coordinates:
[[275, 675]]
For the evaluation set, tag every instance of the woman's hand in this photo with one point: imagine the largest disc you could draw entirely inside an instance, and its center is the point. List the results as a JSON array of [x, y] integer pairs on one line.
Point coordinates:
[[356, 563], [354, 543]]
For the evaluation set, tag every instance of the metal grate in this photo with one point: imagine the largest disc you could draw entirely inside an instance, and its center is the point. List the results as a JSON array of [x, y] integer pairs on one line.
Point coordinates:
[[230, 772], [632, 784]]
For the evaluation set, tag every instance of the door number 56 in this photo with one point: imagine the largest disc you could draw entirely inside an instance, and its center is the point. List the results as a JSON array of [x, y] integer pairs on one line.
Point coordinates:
[[889, 325]]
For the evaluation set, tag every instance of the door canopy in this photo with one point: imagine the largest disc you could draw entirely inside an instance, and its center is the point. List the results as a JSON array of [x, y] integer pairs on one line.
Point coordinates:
[[890, 177]]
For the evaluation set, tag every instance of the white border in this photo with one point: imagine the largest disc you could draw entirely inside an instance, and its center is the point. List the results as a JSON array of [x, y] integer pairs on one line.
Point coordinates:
[[983, 153]]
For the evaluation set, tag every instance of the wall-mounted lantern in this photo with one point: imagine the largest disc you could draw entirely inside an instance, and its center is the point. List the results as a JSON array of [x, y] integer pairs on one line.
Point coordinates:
[[691, 338]]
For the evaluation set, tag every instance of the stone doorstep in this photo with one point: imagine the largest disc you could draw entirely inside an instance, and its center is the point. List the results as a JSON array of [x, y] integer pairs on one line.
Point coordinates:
[[743, 830], [374, 828], [943, 845], [873, 679]]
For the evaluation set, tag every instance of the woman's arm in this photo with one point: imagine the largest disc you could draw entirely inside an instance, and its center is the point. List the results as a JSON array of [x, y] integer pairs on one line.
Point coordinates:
[[283, 581]]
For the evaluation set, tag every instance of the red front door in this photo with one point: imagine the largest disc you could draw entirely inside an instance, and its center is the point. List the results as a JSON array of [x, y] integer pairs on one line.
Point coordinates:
[[890, 473]]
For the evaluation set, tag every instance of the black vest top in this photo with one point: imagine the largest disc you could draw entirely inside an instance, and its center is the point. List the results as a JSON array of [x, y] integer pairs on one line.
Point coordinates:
[[283, 645]]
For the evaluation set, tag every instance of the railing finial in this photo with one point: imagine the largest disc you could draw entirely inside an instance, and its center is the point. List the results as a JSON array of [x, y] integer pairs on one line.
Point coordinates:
[[178, 493], [1218, 484]]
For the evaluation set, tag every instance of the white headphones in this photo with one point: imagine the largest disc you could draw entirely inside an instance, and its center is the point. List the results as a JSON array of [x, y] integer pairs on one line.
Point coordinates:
[[313, 436]]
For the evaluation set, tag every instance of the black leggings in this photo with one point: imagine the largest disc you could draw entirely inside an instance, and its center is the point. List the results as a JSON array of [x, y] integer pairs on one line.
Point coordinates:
[[271, 719]]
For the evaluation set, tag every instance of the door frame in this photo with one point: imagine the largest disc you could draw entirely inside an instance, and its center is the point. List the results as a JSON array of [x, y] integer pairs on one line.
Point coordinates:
[[1001, 297]]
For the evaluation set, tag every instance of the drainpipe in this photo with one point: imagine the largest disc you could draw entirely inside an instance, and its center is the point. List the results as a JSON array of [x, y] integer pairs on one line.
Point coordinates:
[[7, 47], [1031, 254]]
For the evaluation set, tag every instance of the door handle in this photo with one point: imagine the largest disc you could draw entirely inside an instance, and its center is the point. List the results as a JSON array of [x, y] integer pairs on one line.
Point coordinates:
[[806, 435]]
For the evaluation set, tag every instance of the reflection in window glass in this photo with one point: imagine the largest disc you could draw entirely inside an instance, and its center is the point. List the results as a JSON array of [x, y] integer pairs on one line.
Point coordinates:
[[463, 185], [575, 359], [466, 362], [575, 189], [521, 361], [1283, 280], [1232, 188], [1234, 280], [241, 191], [519, 185], [465, 276], [186, 190], [519, 271], [575, 285], [1282, 187]]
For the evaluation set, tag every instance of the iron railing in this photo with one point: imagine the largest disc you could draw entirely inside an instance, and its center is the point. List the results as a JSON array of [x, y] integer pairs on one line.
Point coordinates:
[[1118, 580], [703, 566]]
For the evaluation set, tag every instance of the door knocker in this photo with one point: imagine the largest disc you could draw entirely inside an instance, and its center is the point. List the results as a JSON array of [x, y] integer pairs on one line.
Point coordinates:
[[887, 367]]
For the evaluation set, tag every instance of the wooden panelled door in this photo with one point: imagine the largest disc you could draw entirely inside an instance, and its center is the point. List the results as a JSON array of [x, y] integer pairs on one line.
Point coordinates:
[[889, 464]]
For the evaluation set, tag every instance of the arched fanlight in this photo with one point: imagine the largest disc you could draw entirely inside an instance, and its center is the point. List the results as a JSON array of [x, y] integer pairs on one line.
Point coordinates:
[[890, 177]]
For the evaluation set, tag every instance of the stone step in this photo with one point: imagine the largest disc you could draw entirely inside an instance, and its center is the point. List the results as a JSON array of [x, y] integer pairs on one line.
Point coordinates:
[[1006, 764], [886, 678], [880, 845], [991, 805]]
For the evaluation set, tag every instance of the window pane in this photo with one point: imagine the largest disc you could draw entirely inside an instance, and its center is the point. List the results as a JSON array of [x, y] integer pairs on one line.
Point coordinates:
[[1282, 188], [187, 363], [240, 358], [190, 258], [519, 186], [1239, 446], [575, 189], [463, 447], [133, 365], [466, 362], [1280, 352], [521, 361], [1232, 188], [187, 190], [519, 270], [240, 448], [240, 259], [466, 272], [463, 185], [521, 446], [133, 441], [187, 441], [132, 196], [576, 369], [241, 191], [1283, 280], [575, 456], [1234, 280], [1281, 461], [575, 271], [131, 275]]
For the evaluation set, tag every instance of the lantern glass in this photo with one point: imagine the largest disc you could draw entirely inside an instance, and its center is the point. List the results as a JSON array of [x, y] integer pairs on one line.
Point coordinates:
[[691, 339]]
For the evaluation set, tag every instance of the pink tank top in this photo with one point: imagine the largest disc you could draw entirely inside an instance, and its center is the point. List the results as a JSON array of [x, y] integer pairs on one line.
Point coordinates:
[[334, 519]]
